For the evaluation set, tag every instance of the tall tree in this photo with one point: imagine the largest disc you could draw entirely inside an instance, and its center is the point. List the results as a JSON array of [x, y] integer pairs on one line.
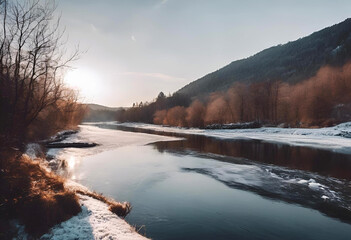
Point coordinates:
[[32, 61]]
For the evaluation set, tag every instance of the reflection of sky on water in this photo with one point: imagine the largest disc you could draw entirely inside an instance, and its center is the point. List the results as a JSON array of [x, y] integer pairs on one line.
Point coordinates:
[[180, 195]]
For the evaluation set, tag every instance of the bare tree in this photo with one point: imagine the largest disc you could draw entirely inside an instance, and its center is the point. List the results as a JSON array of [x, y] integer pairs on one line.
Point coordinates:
[[32, 60]]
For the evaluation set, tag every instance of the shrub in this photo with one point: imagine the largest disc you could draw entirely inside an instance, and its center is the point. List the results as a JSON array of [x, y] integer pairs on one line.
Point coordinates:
[[33, 195]]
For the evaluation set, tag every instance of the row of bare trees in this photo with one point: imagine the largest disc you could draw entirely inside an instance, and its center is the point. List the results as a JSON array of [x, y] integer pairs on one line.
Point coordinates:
[[33, 60], [322, 100], [145, 112]]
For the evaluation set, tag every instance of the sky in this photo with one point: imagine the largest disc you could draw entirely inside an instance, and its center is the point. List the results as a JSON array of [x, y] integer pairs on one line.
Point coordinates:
[[134, 49]]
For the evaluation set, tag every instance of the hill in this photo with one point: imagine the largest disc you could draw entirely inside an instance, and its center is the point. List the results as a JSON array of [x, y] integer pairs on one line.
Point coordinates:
[[292, 62], [97, 107], [97, 113]]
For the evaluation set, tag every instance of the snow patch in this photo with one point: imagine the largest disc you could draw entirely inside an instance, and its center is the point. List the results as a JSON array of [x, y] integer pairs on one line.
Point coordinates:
[[325, 197], [33, 150], [94, 222], [303, 181], [315, 185]]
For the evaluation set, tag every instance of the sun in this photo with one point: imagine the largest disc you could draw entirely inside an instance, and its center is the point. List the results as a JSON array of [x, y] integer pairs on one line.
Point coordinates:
[[87, 82]]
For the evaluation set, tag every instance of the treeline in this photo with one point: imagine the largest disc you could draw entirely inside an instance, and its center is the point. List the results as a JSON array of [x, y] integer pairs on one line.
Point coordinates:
[[144, 112], [322, 100], [34, 103]]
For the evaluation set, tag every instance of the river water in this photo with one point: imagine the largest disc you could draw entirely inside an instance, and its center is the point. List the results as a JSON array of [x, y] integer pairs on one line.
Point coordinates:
[[196, 187]]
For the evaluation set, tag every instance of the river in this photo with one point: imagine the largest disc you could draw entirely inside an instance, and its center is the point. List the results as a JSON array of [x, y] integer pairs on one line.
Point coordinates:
[[197, 187]]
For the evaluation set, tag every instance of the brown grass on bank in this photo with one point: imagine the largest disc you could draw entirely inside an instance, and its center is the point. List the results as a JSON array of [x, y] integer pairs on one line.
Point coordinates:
[[33, 195], [120, 209], [37, 197]]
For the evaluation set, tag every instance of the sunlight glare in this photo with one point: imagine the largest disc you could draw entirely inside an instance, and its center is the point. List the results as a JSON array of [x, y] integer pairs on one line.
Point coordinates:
[[87, 82], [71, 162]]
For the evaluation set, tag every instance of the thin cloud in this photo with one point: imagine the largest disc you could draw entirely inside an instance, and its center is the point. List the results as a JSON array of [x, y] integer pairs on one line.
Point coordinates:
[[159, 76], [93, 27], [162, 2], [133, 38]]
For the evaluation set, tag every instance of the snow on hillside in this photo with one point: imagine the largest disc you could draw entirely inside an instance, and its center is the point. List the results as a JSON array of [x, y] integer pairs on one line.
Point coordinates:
[[333, 138]]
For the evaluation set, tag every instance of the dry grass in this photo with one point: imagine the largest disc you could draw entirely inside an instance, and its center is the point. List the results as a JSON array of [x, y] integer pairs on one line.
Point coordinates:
[[37, 197], [120, 209], [33, 195]]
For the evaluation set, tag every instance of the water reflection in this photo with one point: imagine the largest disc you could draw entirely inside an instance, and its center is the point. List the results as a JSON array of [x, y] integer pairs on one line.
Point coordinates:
[[270, 170], [325, 162], [325, 194], [178, 190], [303, 158], [71, 163], [65, 163]]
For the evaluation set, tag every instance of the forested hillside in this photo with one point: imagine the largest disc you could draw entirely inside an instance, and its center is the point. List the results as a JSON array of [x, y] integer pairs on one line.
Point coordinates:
[[302, 83], [290, 63]]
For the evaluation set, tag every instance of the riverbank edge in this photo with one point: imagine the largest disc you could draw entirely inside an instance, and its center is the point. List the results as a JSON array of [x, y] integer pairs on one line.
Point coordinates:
[[330, 138], [35, 157]]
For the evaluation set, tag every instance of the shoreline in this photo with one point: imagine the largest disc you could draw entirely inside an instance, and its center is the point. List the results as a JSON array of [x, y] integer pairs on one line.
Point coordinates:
[[99, 216], [95, 221], [329, 138]]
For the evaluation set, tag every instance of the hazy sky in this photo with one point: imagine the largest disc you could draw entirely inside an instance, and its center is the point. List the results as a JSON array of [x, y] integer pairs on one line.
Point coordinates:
[[138, 48]]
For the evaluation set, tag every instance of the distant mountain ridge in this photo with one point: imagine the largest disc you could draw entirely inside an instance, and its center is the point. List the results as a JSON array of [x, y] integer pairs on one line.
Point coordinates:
[[97, 107], [98, 113], [291, 62]]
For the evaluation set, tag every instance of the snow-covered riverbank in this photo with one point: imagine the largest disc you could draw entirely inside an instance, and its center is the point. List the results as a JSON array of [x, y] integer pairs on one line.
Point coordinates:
[[332, 138], [95, 221]]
